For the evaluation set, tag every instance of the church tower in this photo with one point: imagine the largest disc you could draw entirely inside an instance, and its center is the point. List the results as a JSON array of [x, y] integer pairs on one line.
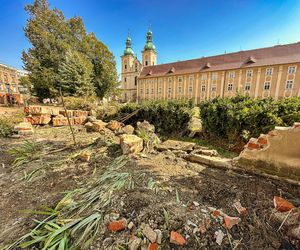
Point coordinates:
[[149, 52], [131, 68]]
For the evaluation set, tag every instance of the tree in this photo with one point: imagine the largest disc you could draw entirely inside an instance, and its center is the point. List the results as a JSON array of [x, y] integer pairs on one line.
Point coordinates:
[[55, 43], [76, 74]]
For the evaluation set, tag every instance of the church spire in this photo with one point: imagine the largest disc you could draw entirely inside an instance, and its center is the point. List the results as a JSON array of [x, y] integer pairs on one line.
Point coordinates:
[[149, 44], [128, 50]]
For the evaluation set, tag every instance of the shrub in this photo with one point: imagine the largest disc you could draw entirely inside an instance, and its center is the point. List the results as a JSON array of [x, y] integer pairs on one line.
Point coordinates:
[[81, 103], [241, 117], [170, 117], [6, 127]]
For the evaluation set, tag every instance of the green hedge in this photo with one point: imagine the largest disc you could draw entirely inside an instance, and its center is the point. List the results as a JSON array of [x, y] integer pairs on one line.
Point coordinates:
[[241, 117], [168, 117]]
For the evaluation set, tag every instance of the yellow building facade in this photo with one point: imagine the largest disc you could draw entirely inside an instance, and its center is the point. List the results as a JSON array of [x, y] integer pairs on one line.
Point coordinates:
[[9, 84], [267, 72]]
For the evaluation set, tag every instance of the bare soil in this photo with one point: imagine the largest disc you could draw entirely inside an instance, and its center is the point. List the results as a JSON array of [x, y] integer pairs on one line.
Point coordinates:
[[169, 207]]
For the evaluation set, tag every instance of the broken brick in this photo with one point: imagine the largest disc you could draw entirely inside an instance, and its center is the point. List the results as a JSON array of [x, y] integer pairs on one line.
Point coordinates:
[[231, 221], [153, 246], [114, 125], [296, 125], [252, 144], [282, 205], [262, 140], [238, 206], [216, 213], [177, 238], [118, 225], [85, 156]]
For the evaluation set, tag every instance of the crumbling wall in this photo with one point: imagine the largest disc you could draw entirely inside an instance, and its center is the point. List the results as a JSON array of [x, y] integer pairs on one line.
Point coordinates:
[[277, 153]]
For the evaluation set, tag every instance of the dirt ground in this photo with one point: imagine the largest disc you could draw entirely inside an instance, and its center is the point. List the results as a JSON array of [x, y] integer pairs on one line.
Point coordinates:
[[170, 206]]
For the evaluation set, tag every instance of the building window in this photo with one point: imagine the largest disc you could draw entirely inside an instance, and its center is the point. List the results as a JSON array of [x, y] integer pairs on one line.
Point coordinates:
[[135, 80], [169, 90], [141, 91], [147, 91], [249, 73], [214, 76], [125, 66], [159, 80], [152, 91], [159, 90], [179, 89], [269, 71], [180, 79], [136, 67], [169, 80], [267, 85], [247, 86], [125, 79], [231, 75], [289, 84], [229, 87], [190, 88], [214, 87], [292, 70], [191, 78], [203, 88], [203, 77]]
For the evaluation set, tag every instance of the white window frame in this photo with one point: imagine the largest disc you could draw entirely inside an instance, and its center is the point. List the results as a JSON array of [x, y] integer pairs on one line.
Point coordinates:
[[204, 77], [231, 74], [191, 88], [191, 78], [267, 83], [214, 76], [169, 90], [141, 91], [292, 69], [147, 91], [247, 86], [180, 79], [170, 80], [203, 88], [269, 71], [249, 73], [289, 84], [159, 90], [229, 87], [179, 89]]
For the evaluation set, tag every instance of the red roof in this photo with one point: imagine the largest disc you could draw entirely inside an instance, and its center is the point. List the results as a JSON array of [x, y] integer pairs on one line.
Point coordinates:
[[280, 54]]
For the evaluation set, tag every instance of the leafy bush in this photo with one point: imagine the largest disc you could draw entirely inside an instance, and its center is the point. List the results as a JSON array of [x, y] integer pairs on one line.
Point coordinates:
[[170, 117], [6, 127], [241, 117], [80, 103]]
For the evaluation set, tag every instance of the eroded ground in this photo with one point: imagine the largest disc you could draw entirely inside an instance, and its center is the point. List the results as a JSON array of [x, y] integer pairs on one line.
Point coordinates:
[[168, 204]]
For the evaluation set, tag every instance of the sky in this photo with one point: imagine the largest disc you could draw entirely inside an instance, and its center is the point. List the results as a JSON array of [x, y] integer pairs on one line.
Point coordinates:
[[182, 29]]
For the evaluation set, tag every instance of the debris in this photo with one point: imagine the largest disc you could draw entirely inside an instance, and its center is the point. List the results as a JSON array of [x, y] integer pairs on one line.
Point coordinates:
[[98, 125], [149, 232], [153, 246], [114, 125], [159, 236], [282, 205], [85, 156], [89, 126], [208, 152], [209, 160], [216, 213], [131, 144], [135, 243], [219, 237], [118, 225], [130, 225], [128, 129], [202, 229], [177, 238], [191, 223], [238, 206], [231, 221], [24, 128], [176, 145], [196, 204]]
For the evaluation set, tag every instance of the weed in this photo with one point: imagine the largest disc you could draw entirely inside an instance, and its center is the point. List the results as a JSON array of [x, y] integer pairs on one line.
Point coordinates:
[[6, 127], [25, 152]]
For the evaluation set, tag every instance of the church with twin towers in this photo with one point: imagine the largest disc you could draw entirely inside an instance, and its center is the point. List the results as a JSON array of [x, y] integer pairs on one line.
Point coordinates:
[[259, 73]]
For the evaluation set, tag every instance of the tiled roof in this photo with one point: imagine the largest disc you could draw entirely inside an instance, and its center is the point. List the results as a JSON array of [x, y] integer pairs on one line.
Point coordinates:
[[280, 54]]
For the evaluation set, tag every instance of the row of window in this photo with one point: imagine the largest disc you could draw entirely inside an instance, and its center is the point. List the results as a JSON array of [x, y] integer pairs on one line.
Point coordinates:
[[267, 85], [214, 76]]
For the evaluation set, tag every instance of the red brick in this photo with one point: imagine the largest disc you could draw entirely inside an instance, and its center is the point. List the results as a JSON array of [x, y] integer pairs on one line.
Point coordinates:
[[282, 205], [231, 221], [262, 140], [59, 121], [117, 225], [177, 238], [153, 246], [216, 213], [253, 145], [114, 125]]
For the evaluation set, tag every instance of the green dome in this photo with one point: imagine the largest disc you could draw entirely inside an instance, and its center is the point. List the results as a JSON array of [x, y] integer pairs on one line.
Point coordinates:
[[128, 51], [149, 46]]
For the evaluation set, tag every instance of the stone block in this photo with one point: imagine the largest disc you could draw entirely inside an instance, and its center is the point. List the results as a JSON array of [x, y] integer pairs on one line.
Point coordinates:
[[131, 144]]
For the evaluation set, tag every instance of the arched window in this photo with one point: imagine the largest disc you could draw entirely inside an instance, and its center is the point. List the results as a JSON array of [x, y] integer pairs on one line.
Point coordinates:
[[135, 81]]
